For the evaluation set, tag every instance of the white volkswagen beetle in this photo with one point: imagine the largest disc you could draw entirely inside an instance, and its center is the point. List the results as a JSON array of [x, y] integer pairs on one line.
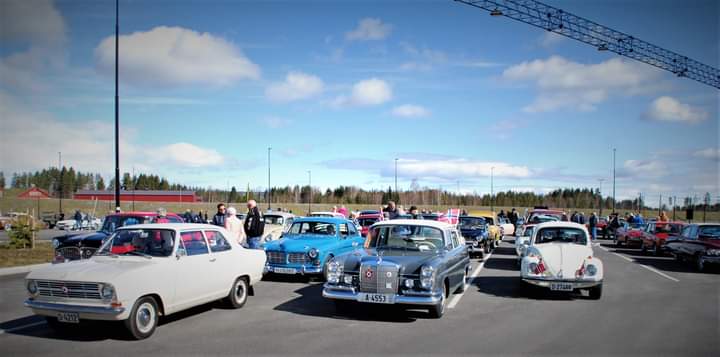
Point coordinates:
[[277, 223], [146, 271], [559, 256]]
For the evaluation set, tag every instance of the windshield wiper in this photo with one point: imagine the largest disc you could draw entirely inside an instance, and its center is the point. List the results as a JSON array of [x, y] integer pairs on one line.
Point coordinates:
[[140, 254]]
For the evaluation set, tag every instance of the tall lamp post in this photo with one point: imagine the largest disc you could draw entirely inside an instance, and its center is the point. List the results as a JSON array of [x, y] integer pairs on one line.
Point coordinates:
[[600, 197], [310, 193], [492, 189], [269, 190], [117, 108], [614, 150], [60, 182]]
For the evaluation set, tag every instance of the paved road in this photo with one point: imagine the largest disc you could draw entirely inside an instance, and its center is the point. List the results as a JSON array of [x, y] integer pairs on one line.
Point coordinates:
[[650, 306]]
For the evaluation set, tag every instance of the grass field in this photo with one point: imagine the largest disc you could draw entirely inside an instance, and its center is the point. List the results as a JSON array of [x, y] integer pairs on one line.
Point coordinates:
[[9, 257]]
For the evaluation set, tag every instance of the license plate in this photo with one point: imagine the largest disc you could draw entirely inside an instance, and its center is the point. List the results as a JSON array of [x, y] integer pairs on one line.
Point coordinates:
[[285, 270], [376, 298], [561, 286], [69, 317]]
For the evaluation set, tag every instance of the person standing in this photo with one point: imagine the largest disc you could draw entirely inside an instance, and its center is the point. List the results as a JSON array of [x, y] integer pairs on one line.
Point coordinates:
[[219, 217], [592, 223], [161, 216], [514, 217], [343, 211], [78, 219], [414, 213], [391, 210], [234, 226], [253, 226]]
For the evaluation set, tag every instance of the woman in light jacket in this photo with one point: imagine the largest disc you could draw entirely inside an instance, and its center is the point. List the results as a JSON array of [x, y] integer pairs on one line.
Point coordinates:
[[234, 225]]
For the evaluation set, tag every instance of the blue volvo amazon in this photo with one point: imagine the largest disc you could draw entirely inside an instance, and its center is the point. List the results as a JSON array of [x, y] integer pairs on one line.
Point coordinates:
[[309, 244]]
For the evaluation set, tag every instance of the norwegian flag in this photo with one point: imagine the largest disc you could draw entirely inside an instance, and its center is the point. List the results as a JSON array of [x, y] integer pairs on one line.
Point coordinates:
[[452, 216]]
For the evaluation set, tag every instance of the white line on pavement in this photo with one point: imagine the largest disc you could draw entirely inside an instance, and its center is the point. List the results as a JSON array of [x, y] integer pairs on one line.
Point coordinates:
[[22, 327], [645, 266], [624, 257], [456, 299]]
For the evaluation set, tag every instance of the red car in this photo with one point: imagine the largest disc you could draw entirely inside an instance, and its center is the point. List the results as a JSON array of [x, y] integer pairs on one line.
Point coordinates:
[[697, 243], [629, 235], [368, 219], [655, 235]]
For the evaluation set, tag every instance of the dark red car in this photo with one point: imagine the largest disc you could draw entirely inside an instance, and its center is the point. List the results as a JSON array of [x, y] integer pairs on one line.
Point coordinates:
[[629, 234], [655, 235], [368, 219], [697, 243]]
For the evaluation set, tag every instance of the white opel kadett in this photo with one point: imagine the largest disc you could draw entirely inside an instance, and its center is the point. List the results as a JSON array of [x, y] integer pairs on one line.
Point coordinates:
[[146, 271], [559, 256]]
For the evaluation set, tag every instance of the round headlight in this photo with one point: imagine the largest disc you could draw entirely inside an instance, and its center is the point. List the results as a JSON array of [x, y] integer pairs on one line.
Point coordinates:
[[591, 270], [532, 267], [348, 279], [107, 292], [333, 267], [32, 287], [55, 243], [313, 253], [409, 283], [426, 271]]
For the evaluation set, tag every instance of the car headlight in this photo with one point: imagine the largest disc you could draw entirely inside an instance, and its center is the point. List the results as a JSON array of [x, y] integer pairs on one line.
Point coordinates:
[[409, 283], [32, 287], [313, 253], [426, 277], [347, 279], [55, 243], [532, 268], [333, 267], [591, 270], [712, 252], [107, 292]]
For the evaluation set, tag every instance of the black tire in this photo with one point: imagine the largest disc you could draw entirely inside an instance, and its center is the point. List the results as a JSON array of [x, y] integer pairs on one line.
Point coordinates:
[[658, 251], [461, 288], [437, 311], [238, 295], [699, 264], [595, 292], [618, 243], [143, 318]]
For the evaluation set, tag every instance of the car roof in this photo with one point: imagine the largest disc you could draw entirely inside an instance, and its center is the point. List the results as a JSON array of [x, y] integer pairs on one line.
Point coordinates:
[[173, 226], [337, 220], [282, 214], [414, 222], [370, 215], [561, 224]]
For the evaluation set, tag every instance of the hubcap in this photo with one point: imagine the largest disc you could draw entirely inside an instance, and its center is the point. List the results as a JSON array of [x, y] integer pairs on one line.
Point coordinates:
[[145, 317], [239, 292]]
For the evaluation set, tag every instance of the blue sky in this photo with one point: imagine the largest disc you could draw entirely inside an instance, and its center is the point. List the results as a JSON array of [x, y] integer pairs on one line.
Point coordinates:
[[343, 88]]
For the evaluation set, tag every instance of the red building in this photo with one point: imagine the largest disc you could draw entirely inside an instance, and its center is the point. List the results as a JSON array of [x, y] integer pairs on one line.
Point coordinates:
[[35, 193], [139, 196]]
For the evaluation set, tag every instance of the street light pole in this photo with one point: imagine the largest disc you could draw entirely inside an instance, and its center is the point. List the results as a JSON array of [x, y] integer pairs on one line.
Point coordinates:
[[269, 191], [600, 197], [310, 193], [492, 189], [133, 187], [396, 190], [60, 183], [117, 108], [614, 150]]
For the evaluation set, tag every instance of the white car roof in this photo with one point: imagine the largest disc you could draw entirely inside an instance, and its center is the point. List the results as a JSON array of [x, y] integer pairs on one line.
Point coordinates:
[[282, 214], [560, 224], [414, 222]]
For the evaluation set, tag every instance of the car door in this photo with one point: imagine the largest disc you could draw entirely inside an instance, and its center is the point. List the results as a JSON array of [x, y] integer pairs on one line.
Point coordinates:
[[453, 256], [223, 261], [194, 280], [354, 236], [693, 245]]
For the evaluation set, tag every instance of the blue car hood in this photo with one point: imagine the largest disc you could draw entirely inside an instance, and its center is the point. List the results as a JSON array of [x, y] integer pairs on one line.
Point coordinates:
[[300, 243]]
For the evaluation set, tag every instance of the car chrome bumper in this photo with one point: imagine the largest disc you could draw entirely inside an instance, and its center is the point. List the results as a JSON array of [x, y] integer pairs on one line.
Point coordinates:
[[577, 284], [85, 312], [348, 293], [302, 270], [711, 259]]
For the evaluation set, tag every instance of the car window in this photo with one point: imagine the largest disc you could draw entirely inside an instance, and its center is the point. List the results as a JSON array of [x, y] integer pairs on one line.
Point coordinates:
[[194, 243], [455, 239], [271, 219], [692, 234], [686, 232], [712, 232], [560, 235], [344, 229], [421, 238], [174, 219], [152, 242], [353, 230], [217, 241], [319, 228]]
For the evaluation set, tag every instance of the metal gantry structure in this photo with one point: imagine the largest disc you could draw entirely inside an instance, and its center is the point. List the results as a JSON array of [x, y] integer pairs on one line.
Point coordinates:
[[601, 37]]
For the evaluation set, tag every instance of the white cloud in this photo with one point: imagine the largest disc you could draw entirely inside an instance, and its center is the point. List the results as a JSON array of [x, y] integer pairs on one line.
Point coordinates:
[[297, 85], [367, 92], [369, 29], [644, 169], [37, 22], [459, 168], [410, 111], [550, 39], [275, 122], [709, 153], [671, 110], [169, 56], [186, 155], [563, 84]]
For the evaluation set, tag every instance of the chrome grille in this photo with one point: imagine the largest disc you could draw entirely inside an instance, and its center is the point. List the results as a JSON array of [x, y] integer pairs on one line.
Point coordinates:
[[298, 258], [383, 279], [276, 257], [75, 253], [65, 289]]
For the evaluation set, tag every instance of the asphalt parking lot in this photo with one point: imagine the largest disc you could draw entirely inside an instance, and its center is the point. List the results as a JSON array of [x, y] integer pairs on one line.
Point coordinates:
[[43, 234], [650, 305]]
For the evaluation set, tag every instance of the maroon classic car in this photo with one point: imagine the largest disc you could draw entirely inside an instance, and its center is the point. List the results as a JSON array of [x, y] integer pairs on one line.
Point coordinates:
[[697, 243], [367, 219], [655, 235], [629, 234]]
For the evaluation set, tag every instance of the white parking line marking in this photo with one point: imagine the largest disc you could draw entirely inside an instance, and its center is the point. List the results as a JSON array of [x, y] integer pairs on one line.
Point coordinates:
[[659, 273], [624, 257], [456, 299], [22, 327]]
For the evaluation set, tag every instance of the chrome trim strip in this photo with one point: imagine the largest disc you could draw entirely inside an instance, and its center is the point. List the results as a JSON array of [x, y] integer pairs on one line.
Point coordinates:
[[100, 310], [334, 293]]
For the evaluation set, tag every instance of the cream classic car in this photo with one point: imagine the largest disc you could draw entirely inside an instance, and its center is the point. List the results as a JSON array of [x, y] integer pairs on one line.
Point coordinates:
[[276, 223], [146, 271], [559, 256]]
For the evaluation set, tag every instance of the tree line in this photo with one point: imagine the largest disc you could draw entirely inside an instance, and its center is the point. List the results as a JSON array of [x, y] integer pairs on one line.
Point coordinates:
[[72, 180]]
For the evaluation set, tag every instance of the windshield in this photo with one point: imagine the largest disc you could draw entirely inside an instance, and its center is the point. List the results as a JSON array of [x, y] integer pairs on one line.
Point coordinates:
[[712, 232], [319, 228], [146, 242], [274, 220], [114, 222], [366, 222], [528, 231], [472, 222], [421, 238], [561, 235], [668, 228]]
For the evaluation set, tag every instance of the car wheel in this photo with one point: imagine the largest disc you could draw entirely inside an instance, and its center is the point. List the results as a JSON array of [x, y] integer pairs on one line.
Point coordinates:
[[143, 318], [438, 310], [658, 250], [238, 294], [643, 248], [486, 247], [596, 292], [699, 263], [461, 288]]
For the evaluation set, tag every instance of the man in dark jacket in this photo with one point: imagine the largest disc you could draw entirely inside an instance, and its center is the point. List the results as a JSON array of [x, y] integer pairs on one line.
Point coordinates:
[[414, 213], [219, 217], [513, 217], [254, 225], [391, 210], [592, 224]]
